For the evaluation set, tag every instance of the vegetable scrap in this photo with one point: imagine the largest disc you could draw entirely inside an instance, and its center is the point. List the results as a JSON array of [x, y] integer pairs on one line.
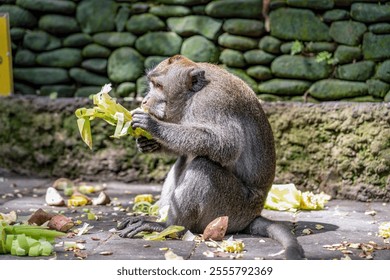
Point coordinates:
[[288, 198], [170, 255], [78, 195], [384, 230], [109, 110], [171, 232], [9, 218], [226, 248], [364, 250], [23, 240]]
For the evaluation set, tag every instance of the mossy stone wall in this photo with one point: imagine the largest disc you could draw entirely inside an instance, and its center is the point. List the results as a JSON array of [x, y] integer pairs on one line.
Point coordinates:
[[273, 42], [340, 148]]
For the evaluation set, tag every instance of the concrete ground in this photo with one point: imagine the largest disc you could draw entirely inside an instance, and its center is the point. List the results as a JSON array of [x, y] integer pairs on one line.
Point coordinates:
[[346, 229]]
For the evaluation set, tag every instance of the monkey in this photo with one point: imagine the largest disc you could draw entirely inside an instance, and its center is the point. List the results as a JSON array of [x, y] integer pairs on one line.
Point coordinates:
[[214, 123]]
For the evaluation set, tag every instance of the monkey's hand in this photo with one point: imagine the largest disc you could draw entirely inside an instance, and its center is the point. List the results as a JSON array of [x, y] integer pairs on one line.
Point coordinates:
[[146, 145], [144, 120], [133, 225]]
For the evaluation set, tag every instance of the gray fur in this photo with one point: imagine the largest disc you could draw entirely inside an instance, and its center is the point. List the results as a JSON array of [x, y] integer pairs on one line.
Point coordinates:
[[216, 126]]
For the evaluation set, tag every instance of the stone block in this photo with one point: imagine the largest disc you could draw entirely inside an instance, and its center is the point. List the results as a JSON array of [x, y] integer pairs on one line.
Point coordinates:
[[244, 27], [64, 58], [251, 9], [232, 58], [315, 47], [58, 24], [347, 54], [125, 89], [200, 49], [95, 51], [24, 57], [85, 77], [377, 88], [237, 42], [96, 16], [114, 39], [284, 87], [332, 89], [258, 57], [86, 91], [41, 75], [125, 65], [48, 6], [98, 65], [142, 86], [380, 28], [41, 41], [376, 47], [60, 90], [370, 12], [260, 73], [270, 44], [193, 25], [359, 71], [121, 18], [19, 17], [166, 11], [17, 33], [24, 89], [77, 40], [311, 4], [347, 32], [184, 2], [298, 24], [140, 24], [153, 61], [300, 67], [335, 15], [159, 43], [383, 71]]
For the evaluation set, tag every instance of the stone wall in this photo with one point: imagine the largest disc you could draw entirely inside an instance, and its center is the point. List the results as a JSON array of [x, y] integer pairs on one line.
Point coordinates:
[[287, 50], [340, 148]]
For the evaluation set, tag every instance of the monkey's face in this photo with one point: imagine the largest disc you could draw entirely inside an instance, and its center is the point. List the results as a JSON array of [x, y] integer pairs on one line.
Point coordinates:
[[171, 85]]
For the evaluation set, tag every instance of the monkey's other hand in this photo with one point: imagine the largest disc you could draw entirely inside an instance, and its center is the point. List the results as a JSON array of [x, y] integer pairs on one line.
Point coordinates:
[[146, 145], [143, 120], [129, 227]]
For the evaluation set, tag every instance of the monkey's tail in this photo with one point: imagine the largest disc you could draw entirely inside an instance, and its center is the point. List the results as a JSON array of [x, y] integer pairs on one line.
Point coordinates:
[[279, 232]]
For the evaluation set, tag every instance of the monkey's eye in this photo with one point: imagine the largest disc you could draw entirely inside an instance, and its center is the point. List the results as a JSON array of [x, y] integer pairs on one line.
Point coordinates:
[[158, 85]]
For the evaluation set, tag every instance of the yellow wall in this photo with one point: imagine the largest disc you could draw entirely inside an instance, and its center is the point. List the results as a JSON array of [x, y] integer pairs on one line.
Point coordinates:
[[6, 87]]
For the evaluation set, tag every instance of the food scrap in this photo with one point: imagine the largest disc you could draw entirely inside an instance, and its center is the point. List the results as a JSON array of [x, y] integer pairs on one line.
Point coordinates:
[[23, 240], [288, 198], [109, 110], [216, 229], [384, 230], [171, 231], [364, 250]]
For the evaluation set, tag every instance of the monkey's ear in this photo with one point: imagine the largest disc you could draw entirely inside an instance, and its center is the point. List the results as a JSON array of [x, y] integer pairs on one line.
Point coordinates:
[[198, 79]]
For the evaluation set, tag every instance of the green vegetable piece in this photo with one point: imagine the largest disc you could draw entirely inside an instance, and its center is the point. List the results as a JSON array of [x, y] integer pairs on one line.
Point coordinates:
[[23, 242], [34, 250], [2, 241], [142, 206], [15, 245], [8, 242], [20, 251], [166, 232], [109, 110], [47, 248]]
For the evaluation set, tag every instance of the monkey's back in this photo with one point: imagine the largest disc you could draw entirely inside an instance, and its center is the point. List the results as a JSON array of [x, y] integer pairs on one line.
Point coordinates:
[[241, 113]]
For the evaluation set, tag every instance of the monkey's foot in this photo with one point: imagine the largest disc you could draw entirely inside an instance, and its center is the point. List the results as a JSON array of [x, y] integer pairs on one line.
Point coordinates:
[[133, 225]]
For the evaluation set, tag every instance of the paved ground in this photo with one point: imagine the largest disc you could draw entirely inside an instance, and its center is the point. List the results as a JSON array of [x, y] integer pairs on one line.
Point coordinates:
[[343, 222]]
